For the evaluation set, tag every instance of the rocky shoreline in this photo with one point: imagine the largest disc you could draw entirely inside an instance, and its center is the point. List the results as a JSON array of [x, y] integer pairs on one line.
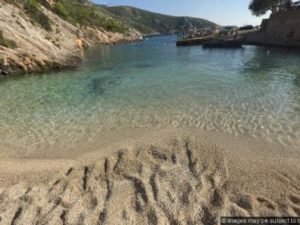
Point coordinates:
[[39, 50]]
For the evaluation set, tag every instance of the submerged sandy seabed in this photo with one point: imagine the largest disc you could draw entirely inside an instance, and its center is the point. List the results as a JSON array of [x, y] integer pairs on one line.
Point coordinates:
[[153, 177]]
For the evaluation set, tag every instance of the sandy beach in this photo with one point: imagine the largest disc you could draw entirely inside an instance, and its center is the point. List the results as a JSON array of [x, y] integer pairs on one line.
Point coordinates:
[[146, 132], [166, 178]]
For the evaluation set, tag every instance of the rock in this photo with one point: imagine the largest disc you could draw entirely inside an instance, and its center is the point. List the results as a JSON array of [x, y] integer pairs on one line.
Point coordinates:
[[42, 50], [4, 72]]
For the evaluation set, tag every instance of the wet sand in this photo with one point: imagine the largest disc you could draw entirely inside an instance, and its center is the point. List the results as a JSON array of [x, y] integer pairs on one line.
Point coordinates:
[[165, 177]]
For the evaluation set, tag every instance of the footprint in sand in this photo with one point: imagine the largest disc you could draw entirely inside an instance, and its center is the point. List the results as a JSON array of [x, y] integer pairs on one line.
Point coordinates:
[[294, 199], [266, 203], [245, 202]]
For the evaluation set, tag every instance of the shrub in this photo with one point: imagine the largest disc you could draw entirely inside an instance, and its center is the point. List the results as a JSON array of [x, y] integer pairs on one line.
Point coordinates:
[[33, 9], [79, 12], [61, 10]]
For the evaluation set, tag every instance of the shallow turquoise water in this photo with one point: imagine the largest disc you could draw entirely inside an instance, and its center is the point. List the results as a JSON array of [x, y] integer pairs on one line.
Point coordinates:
[[253, 91]]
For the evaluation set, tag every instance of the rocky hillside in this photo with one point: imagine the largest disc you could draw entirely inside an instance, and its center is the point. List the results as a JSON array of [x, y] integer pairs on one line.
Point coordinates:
[[155, 23], [38, 35]]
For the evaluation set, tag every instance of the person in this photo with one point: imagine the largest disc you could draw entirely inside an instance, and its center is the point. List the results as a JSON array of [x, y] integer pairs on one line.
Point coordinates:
[[80, 40]]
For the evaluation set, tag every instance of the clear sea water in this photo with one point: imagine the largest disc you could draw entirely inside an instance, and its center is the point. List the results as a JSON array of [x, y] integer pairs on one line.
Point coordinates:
[[253, 91]]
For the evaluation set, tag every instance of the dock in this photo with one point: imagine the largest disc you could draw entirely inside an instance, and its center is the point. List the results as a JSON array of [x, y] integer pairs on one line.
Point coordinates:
[[194, 41], [223, 44], [218, 41], [211, 42]]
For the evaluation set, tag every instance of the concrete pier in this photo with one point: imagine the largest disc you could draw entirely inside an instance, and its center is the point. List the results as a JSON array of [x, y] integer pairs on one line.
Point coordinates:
[[194, 41]]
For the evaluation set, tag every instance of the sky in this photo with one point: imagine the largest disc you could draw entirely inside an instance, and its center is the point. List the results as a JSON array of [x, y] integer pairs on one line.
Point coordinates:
[[222, 12]]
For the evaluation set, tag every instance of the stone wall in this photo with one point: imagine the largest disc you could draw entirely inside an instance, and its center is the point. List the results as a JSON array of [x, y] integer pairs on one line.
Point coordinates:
[[282, 29]]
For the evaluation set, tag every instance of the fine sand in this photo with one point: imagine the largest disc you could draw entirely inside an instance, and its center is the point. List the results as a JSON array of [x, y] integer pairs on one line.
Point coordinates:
[[176, 180]]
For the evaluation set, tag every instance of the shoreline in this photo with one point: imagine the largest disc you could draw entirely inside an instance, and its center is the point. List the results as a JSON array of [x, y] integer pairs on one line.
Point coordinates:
[[146, 133], [110, 141], [54, 158], [70, 64], [70, 61]]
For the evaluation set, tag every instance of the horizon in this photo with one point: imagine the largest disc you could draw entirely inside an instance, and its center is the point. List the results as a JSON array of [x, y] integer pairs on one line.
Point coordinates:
[[211, 10]]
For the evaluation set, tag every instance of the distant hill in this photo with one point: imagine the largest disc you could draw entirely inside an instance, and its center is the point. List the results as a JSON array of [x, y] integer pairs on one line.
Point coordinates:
[[154, 23]]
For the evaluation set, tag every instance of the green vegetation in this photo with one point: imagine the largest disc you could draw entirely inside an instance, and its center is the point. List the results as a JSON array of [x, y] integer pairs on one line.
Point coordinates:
[[77, 12], [149, 22], [83, 13], [260, 7], [5, 42], [33, 10], [61, 10]]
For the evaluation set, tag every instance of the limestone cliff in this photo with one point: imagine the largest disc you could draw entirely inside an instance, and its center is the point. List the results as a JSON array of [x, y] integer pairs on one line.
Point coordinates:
[[35, 49], [282, 29]]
